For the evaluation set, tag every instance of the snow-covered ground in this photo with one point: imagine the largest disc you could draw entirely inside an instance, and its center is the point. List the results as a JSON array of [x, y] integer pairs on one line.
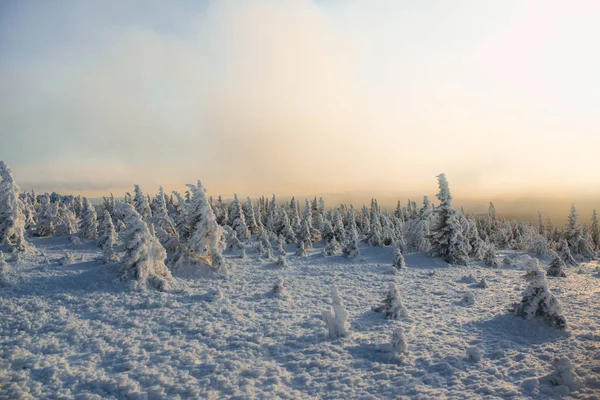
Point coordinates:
[[70, 331]]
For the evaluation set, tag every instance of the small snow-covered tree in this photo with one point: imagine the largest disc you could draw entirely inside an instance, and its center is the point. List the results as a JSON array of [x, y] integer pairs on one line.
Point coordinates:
[[301, 252], [557, 266], [143, 260], [332, 246], [490, 257], [350, 246], [264, 245], [281, 245], [279, 289], [89, 220], [250, 216], [447, 240], [304, 235], [238, 220], [12, 219], [66, 221], [398, 341], [285, 228], [565, 253], [204, 245], [398, 262], [141, 204], [336, 317], [540, 246], [392, 306], [164, 226], [537, 300], [375, 236], [107, 239], [595, 231], [338, 227]]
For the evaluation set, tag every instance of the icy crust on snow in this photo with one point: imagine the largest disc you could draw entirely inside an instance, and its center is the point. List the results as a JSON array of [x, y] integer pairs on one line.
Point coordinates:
[[71, 330]]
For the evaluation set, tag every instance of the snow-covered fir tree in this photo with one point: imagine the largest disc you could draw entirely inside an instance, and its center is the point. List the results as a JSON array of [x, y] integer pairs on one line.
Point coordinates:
[[143, 259], [447, 240], [66, 222], [595, 232], [336, 317], [398, 341], [304, 235], [12, 219], [250, 216], [557, 266], [375, 232], [537, 300], [284, 227], [338, 227], [392, 306], [350, 246], [89, 220], [332, 246], [203, 246], [398, 261], [237, 220], [107, 238], [564, 251], [490, 257], [164, 226], [264, 245], [141, 204], [301, 252]]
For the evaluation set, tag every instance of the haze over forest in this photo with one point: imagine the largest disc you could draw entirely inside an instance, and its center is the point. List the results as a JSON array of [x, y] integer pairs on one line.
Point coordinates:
[[345, 99]]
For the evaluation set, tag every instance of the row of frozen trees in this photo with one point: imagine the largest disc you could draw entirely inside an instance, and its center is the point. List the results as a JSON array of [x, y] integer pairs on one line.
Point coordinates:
[[193, 229]]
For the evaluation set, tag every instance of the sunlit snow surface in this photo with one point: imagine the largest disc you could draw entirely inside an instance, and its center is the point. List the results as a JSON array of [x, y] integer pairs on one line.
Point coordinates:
[[70, 330]]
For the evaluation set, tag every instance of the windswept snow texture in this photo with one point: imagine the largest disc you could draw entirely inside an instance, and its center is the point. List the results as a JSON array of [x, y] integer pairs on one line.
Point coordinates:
[[71, 330]]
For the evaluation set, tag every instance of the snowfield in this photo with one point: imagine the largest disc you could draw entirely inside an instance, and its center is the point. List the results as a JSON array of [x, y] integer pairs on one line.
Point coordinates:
[[71, 331]]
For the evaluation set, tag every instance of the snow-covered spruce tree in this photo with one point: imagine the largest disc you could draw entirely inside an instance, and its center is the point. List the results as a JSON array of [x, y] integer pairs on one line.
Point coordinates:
[[392, 306], [301, 252], [398, 341], [540, 246], [477, 244], [537, 300], [490, 257], [375, 232], [107, 239], [281, 245], [143, 260], [140, 202], [164, 226], [12, 219], [304, 235], [285, 229], [557, 266], [250, 217], [447, 240], [66, 221], [279, 289], [415, 234], [350, 246], [89, 221], [595, 231], [203, 246], [338, 227], [264, 245], [233, 243], [388, 233], [238, 220], [398, 261], [47, 214], [540, 226], [565, 253], [336, 317], [28, 212], [398, 213], [332, 246]]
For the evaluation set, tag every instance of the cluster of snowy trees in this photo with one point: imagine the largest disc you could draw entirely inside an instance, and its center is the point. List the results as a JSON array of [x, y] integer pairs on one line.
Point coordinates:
[[193, 229]]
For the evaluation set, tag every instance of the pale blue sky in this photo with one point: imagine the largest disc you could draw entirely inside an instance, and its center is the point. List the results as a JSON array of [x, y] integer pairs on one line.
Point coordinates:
[[302, 96]]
